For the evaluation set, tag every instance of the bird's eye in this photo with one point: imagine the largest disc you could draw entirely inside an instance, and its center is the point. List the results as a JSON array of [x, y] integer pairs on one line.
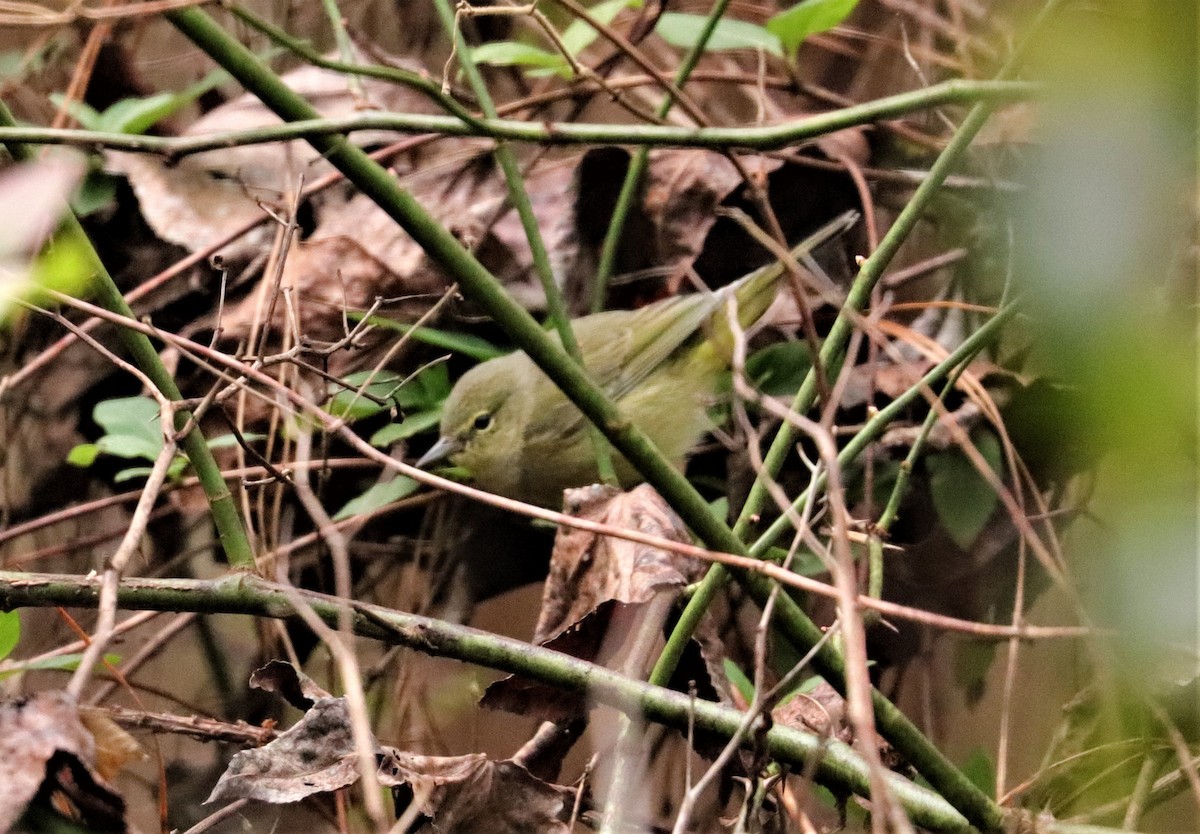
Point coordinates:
[[483, 421]]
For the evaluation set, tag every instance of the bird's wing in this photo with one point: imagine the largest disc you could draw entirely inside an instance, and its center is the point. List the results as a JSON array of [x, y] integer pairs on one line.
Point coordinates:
[[624, 351], [623, 347]]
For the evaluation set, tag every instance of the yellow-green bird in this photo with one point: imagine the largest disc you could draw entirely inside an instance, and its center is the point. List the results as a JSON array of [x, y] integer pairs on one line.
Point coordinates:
[[519, 436]]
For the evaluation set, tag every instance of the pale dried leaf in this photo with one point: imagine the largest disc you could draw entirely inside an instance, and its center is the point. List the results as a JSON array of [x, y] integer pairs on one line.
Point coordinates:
[[44, 745], [115, 748], [33, 199], [187, 205], [314, 756], [297, 688], [462, 794], [587, 569]]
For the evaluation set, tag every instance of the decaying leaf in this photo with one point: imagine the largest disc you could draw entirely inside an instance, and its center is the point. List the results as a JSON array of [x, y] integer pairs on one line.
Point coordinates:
[[47, 752], [605, 596], [457, 793], [587, 569], [297, 688], [200, 199], [821, 711], [115, 748], [461, 794], [315, 755]]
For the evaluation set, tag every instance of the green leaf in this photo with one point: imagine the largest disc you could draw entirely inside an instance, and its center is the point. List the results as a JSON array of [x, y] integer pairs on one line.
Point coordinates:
[[684, 30], [83, 455], [134, 416], [61, 663], [515, 54], [97, 191], [411, 425], [228, 441], [981, 770], [809, 17], [67, 265], [128, 446], [739, 680], [87, 116], [348, 404], [137, 115], [972, 660], [379, 495], [132, 472], [467, 344], [778, 370], [963, 499], [10, 632], [579, 35]]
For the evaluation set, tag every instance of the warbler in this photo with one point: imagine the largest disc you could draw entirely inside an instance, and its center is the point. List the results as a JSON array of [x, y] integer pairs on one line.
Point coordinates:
[[507, 424]]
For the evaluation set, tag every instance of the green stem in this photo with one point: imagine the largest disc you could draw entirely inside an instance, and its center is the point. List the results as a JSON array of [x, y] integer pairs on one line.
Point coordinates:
[[486, 291], [771, 137], [230, 531], [639, 162], [396, 75], [518, 195], [835, 764]]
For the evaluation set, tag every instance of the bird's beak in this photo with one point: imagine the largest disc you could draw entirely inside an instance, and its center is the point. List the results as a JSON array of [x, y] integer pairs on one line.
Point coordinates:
[[444, 448]]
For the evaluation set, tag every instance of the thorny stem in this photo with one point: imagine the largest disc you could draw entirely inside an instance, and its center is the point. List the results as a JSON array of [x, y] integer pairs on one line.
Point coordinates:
[[556, 307], [769, 138], [637, 165], [230, 530]]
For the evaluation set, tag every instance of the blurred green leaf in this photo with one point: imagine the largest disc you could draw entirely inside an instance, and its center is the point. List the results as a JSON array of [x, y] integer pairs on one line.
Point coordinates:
[[67, 265], [410, 426], [981, 770], [10, 632], [972, 660], [137, 115], [778, 370], [467, 344], [61, 663], [810, 17], [228, 441], [684, 30], [427, 390], [739, 680], [97, 191], [579, 35], [350, 405], [516, 54], [83, 455], [963, 499], [379, 495]]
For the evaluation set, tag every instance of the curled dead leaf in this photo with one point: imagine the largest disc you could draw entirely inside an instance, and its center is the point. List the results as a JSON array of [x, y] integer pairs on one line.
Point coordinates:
[[46, 751], [461, 794], [313, 756]]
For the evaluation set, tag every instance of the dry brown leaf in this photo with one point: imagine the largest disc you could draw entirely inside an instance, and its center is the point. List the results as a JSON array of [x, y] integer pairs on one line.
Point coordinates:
[[187, 205], [297, 688], [821, 711], [462, 794], [44, 747], [313, 756], [200, 199], [603, 592], [115, 748], [587, 570]]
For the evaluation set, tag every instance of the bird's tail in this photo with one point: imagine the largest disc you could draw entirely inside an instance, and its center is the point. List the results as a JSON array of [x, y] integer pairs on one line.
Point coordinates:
[[755, 292]]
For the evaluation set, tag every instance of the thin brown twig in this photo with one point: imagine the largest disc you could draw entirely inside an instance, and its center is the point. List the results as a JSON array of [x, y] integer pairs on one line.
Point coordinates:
[[767, 568]]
